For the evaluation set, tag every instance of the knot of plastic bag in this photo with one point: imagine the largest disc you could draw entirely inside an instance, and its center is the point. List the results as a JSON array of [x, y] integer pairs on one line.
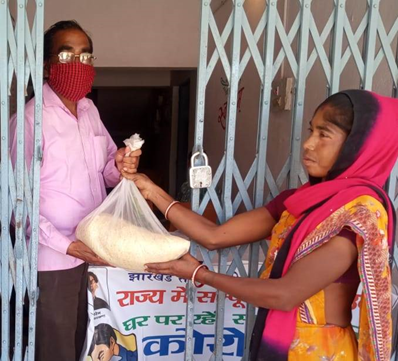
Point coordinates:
[[135, 142]]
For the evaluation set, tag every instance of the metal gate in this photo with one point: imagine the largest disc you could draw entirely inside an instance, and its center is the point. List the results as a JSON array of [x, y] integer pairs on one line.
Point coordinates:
[[271, 43], [21, 62], [274, 43]]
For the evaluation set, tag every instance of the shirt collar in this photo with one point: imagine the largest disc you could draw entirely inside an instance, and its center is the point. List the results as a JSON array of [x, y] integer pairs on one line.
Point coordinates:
[[116, 358], [51, 99]]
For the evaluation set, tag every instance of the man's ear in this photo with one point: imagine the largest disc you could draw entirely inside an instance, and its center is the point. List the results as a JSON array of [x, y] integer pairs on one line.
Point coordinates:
[[112, 342], [46, 70]]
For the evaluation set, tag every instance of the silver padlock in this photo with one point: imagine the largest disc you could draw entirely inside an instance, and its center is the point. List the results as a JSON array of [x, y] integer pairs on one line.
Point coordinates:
[[200, 176]]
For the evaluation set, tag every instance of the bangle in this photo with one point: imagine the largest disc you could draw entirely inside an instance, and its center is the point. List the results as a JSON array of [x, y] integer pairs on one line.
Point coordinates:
[[168, 209], [195, 273]]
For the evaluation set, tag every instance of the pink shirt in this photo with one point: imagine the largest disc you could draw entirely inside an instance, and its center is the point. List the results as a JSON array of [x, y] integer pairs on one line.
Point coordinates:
[[78, 164]]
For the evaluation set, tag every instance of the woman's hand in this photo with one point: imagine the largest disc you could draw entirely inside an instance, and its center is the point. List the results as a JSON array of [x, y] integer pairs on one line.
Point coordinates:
[[182, 268], [143, 183]]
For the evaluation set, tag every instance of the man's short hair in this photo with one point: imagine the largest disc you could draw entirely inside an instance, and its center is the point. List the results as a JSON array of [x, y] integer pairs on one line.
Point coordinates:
[[59, 26], [102, 336]]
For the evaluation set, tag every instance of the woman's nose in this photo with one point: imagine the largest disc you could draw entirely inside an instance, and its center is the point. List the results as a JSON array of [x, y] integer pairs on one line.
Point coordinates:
[[309, 144]]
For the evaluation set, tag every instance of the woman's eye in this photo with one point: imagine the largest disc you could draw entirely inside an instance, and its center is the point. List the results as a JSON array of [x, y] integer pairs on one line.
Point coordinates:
[[310, 130]]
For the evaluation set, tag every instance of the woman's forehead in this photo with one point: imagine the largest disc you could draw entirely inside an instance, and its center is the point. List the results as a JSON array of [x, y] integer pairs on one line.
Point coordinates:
[[322, 120], [319, 117]]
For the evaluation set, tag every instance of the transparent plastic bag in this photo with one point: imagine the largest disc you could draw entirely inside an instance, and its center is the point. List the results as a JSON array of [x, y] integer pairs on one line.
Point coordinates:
[[124, 231]]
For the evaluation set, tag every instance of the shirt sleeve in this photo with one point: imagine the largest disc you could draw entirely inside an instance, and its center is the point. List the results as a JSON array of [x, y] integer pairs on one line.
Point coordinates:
[[111, 173], [276, 206], [48, 234]]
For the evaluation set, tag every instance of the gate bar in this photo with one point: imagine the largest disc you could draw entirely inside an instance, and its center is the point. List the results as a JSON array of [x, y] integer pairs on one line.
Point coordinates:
[[5, 231]]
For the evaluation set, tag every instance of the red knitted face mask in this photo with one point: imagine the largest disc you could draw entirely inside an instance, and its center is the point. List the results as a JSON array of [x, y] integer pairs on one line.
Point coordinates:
[[72, 80]]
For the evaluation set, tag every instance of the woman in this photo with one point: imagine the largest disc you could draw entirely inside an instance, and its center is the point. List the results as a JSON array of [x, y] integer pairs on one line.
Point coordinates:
[[326, 237]]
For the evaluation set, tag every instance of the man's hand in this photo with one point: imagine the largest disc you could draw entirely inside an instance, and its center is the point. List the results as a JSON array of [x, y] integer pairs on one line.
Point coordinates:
[[127, 163], [79, 250]]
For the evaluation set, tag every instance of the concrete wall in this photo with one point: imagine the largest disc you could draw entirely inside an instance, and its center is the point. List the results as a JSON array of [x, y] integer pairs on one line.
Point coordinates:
[[131, 77], [136, 33]]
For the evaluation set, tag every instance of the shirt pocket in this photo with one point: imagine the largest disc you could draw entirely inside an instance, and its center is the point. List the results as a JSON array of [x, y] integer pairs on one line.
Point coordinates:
[[101, 151]]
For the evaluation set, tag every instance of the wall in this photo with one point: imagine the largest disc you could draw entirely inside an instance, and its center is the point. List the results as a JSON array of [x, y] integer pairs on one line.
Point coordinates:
[[136, 33], [131, 77]]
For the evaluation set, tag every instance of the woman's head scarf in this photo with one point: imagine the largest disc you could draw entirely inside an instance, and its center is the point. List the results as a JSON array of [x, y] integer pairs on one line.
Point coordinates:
[[362, 168]]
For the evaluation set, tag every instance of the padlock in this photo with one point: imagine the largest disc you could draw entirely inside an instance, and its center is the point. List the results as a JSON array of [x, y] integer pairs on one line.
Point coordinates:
[[200, 176]]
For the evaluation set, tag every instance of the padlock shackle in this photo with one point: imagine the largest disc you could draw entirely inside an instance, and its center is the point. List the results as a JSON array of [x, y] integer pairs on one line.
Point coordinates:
[[203, 154]]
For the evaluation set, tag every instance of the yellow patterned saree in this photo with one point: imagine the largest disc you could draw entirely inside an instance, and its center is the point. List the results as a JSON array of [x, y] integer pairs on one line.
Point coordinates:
[[315, 339]]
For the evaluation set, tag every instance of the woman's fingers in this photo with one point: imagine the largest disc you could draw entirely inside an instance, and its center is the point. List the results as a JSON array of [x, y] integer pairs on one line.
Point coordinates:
[[163, 267], [128, 175], [134, 176], [183, 268]]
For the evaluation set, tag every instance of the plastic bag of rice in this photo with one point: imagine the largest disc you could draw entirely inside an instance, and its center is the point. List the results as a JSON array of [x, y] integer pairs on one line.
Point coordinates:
[[124, 231]]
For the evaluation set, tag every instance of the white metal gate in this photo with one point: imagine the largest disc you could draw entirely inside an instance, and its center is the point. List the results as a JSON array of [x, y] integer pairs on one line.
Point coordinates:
[[21, 60]]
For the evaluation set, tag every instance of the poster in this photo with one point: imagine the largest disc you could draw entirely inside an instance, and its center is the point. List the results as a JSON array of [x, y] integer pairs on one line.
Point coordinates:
[[141, 316]]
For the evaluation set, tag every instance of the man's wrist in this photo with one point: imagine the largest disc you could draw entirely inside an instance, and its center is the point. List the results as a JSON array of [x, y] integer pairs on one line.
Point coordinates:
[[70, 248]]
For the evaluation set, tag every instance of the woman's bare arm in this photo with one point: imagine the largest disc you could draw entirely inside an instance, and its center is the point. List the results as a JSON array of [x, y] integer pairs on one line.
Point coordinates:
[[305, 278], [245, 228]]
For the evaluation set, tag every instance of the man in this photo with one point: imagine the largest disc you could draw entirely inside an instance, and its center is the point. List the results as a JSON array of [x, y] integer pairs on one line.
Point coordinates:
[[104, 346], [79, 162], [93, 286]]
